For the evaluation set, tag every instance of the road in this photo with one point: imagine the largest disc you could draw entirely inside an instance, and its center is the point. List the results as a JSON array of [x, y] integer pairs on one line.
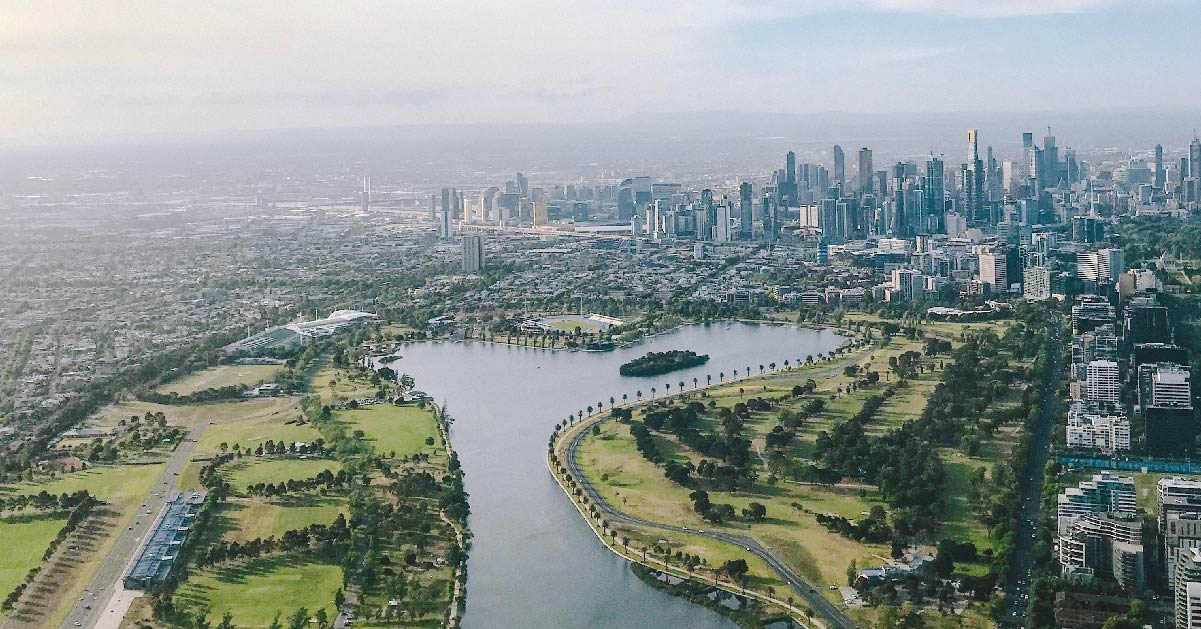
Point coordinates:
[[104, 594], [1030, 487], [831, 614]]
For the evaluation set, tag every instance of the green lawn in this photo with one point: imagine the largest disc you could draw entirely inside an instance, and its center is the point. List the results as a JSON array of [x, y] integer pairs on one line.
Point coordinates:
[[250, 433], [222, 376], [25, 538], [334, 385], [254, 591], [191, 414], [391, 428], [242, 474], [111, 484], [244, 519]]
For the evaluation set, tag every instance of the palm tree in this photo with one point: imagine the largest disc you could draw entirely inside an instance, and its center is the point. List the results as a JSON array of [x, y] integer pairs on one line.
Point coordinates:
[[721, 377], [652, 392], [748, 369], [611, 401], [708, 378], [771, 366], [681, 387], [786, 365], [667, 388], [589, 409], [695, 380], [735, 373], [624, 397], [639, 394]]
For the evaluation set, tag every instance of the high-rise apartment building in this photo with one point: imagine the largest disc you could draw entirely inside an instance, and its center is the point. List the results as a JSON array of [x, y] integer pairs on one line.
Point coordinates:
[[1102, 382], [473, 252]]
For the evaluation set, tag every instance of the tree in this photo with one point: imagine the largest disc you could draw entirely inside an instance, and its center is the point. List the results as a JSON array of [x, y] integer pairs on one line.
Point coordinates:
[[227, 621], [339, 599], [736, 569], [298, 619], [755, 511]]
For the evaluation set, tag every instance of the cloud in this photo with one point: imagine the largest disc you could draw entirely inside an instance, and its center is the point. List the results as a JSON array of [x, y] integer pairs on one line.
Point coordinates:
[[993, 8]]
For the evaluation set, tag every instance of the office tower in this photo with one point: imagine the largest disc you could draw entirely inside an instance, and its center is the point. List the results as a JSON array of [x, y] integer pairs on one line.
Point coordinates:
[[865, 170], [625, 200], [828, 220], [721, 228], [746, 217], [935, 195], [1194, 158], [993, 271], [523, 186], [433, 207], [365, 195], [1160, 174], [1146, 322], [642, 191], [1050, 166], [788, 188], [973, 184], [1027, 140], [1102, 381], [1103, 493], [840, 166], [448, 196], [473, 252], [1164, 385]]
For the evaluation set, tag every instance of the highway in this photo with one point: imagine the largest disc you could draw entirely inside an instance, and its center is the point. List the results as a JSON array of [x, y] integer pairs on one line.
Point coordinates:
[[831, 614], [1030, 487], [104, 595]]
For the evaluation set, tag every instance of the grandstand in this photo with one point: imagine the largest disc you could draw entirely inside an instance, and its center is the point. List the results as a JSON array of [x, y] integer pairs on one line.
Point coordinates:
[[166, 537], [292, 334]]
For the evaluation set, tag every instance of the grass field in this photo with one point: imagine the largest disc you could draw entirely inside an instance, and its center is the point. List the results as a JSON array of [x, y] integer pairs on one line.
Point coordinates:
[[246, 472], [633, 484], [334, 385], [189, 415], [391, 428], [243, 519], [254, 591], [25, 538], [627, 480], [249, 433], [123, 488], [222, 376]]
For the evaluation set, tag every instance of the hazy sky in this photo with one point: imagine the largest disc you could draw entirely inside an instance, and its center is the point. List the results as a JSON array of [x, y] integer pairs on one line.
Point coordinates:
[[86, 68]]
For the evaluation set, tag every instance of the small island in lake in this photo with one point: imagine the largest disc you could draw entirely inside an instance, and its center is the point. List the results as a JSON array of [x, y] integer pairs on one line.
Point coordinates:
[[655, 363]]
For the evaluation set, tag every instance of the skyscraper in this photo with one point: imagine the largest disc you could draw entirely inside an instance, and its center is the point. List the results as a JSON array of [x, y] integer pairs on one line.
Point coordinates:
[[365, 195], [865, 170], [935, 194], [745, 211], [1050, 166], [1160, 173], [840, 166], [473, 252], [1194, 158], [973, 184]]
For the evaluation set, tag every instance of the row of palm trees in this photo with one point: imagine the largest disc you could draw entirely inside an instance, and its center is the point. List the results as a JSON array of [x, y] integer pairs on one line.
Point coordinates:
[[721, 378]]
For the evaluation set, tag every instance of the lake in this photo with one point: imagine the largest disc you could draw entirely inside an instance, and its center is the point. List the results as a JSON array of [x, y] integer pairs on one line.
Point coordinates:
[[534, 562]]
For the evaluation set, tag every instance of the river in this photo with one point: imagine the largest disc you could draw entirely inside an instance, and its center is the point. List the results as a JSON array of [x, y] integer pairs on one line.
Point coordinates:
[[534, 563]]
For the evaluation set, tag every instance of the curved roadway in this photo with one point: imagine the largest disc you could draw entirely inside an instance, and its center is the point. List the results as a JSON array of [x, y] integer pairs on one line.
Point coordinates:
[[831, 614]]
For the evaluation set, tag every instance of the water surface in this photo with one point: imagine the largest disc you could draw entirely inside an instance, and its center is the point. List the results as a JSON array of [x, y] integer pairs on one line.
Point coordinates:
[[534, 563]]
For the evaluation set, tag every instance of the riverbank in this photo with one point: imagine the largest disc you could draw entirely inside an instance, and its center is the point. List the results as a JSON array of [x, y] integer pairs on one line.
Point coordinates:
[[608, 524]]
